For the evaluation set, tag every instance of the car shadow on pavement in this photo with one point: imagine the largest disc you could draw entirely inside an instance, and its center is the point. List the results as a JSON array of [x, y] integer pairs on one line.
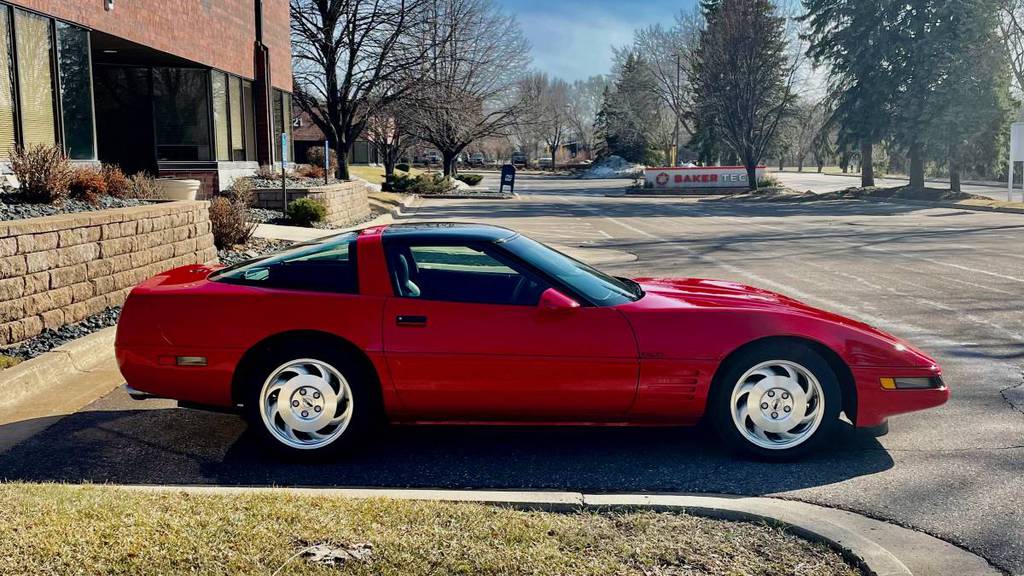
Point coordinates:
[[179, 446]]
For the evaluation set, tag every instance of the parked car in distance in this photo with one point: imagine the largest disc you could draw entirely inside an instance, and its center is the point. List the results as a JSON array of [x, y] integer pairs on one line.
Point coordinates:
[[477, 160], [519, 159], [544, 162], [446, 323]]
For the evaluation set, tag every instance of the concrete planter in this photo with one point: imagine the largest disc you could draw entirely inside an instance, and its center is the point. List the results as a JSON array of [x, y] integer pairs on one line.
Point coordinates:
[[168, 189]]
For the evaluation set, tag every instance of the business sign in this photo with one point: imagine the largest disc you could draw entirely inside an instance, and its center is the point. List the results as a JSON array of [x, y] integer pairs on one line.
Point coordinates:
[[698, 177], [1016, 153]]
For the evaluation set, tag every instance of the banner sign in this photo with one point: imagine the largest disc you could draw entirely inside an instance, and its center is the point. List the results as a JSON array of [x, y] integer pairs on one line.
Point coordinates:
[[698, 177]]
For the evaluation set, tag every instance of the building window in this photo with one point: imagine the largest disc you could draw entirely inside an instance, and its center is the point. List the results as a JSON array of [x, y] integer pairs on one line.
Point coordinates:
[[76, 91], [35, 81], [235, 108], [248, 109], [8, 137], [181, 114], [220, 116]]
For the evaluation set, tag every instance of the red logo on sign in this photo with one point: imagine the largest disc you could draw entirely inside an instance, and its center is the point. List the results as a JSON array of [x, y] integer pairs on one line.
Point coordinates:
[[662, 179]]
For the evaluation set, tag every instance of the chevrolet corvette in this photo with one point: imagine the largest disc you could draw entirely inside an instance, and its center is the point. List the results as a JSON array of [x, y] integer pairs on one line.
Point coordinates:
[[451, 324]]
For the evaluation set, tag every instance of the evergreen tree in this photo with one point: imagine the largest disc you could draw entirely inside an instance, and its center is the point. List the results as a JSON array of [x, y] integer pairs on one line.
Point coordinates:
[[741, 78], [629, 113], [853, 38]]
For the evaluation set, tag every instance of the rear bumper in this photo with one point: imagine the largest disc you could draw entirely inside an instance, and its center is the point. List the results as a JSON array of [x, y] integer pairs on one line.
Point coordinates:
[[876, 404], [150, 371]]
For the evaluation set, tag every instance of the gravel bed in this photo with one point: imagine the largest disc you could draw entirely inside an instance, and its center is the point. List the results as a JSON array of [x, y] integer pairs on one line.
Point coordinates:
[[51, 339], [292, 182], [255, 248], [14, 207]]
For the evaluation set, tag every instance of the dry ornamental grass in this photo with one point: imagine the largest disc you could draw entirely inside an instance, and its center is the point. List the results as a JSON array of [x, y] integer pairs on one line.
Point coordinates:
[[52, 529]]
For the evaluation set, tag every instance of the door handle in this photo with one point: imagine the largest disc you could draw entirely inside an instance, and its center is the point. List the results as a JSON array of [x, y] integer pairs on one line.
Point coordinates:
[[405, 320]]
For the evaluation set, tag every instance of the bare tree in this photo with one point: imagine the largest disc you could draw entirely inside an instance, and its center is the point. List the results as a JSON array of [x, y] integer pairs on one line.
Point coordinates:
[[553, 104], [352, 59], [470, 92], [585, 99], [385, 130], [667, 54], [1011, 28]]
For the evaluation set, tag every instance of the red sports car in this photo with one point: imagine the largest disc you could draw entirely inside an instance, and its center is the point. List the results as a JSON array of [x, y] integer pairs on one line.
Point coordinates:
[[471, 324]]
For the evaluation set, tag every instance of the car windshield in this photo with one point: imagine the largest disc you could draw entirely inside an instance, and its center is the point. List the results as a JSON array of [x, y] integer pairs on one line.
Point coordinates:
[[596, 286]]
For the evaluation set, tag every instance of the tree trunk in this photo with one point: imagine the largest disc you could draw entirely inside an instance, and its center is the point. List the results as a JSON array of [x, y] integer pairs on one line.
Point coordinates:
[[752, 175], [448, 160], [782, 162], [916, 167], [341, 155], [800, 164], [867, 166], [954, 169], [554, 150]]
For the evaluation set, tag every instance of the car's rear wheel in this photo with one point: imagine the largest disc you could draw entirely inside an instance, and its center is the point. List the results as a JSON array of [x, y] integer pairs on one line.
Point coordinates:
[[776, 401], [308, 401]]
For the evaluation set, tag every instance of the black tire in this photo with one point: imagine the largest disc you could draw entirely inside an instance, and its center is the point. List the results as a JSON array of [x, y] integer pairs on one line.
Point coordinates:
[[720, 409], [366, 416]]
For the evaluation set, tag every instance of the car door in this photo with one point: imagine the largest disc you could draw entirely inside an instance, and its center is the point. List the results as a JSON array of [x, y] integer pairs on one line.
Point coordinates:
[[465, 340]]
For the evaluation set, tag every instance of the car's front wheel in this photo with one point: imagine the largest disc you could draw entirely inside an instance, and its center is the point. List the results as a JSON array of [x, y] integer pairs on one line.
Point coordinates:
[[777, 401], [308, 401]]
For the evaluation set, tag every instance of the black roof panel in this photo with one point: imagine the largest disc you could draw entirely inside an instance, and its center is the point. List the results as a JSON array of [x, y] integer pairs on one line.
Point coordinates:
[[448, 231]]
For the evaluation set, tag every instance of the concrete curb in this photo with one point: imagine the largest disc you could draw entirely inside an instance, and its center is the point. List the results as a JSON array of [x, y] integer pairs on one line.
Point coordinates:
[[953, 205], [38, 392], [863, 541], [52, 369]]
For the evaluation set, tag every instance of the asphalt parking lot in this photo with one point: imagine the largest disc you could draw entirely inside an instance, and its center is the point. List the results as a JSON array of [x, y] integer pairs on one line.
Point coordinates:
[[951, 281]]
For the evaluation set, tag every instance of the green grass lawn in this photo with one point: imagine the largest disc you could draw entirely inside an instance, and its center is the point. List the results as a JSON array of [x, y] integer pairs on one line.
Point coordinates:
[[58, 529], [375, 174]]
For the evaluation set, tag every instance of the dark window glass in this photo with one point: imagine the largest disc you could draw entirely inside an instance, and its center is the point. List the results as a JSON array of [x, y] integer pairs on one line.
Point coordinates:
[[182, 117], [76, 90], [326, 265], [469, 274], [250, 121], [7, 133], [594, 285]]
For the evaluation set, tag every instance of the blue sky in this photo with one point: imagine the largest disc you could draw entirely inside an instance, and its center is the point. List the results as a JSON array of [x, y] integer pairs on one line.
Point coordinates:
[[573, 38]]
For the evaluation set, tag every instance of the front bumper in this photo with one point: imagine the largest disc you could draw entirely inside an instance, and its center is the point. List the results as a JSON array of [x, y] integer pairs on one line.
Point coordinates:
[[875, 404]]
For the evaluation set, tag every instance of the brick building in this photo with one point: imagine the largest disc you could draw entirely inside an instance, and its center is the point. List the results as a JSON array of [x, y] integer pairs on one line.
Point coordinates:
[[183, 88]]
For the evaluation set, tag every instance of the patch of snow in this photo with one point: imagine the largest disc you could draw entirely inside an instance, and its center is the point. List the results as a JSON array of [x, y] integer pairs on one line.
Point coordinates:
[[613, 167]]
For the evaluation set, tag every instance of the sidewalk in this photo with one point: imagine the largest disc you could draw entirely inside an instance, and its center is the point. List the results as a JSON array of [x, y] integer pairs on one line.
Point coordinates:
[[882, 176]]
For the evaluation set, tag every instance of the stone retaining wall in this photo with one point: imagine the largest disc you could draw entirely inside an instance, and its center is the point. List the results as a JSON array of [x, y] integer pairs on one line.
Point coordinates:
[[346, 202], [61, 269]]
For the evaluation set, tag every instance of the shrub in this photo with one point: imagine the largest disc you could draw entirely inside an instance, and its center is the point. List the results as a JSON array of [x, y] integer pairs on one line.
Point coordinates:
[[315, 155], [88, 184], [267, 172], [769, 181], [403, 167], [471, 179], [116, 182], [428, 184], [310, 171], [142, 186], [229, 215], [306, 211], [44, 173]]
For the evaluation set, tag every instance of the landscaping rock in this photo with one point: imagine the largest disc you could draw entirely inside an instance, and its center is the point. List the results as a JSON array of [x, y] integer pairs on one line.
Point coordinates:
[[14, 207], [52, 338], [255, 248]]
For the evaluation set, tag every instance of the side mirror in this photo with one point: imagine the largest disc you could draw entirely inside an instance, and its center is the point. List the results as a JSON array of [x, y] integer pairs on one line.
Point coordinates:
[[554, 301]]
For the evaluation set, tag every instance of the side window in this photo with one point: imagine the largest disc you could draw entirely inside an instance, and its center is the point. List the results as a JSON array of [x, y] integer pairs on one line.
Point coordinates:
[[471, 274], [328, 266]]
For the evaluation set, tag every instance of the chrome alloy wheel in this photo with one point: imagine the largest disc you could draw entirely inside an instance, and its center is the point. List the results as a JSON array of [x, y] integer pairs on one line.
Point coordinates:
[[777, 404], [306, 404]]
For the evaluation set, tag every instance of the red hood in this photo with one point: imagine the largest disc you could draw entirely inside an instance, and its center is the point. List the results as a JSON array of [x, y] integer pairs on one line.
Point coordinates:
[[704, 293]]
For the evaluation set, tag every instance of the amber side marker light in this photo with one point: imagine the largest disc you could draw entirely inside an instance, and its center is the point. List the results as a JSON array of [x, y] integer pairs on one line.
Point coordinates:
[[911, 383]]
